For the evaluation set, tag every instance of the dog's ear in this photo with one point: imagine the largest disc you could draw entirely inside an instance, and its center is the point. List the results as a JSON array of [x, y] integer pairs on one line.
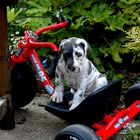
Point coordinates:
[[61, 44], [61, 47], [85, 45]]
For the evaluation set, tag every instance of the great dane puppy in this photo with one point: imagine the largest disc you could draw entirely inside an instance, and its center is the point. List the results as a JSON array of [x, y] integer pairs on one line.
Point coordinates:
[[77, 71]]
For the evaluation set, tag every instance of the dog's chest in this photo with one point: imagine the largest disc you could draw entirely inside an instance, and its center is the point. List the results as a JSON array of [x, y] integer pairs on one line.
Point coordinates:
[[72, 80]]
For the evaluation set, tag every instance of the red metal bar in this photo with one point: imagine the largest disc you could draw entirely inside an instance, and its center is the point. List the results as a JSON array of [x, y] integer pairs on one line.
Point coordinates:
[[97, 126], [43, 44], [107, 118], [26, 51], [117, 122], [52, 27], [41, 72]]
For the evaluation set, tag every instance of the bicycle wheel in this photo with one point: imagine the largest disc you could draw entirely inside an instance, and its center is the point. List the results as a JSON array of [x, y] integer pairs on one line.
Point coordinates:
[[76, 132], [24, 85], [131, 95]]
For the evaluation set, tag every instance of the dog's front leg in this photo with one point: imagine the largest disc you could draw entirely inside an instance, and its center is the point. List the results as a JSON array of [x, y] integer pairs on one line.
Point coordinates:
[[59, 88], [79, 96]]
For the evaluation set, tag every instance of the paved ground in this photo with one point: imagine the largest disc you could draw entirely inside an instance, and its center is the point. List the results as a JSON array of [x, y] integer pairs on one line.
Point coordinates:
[[34, 123]]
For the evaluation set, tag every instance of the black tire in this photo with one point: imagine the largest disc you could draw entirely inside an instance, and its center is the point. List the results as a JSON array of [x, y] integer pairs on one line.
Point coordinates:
[[76, 132], [24, 85], [131, 95]]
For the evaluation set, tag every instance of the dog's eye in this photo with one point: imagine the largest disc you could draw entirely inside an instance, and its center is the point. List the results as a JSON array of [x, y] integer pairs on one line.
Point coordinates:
[[78, 54]]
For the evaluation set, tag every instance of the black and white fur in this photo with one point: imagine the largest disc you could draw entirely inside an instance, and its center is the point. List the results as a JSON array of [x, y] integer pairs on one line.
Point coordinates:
[[79, 73]]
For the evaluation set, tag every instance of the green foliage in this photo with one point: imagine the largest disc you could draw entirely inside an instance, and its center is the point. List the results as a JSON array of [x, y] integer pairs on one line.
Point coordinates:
[[38, 7], [102, 23], [94, 55], [14, 39], [13, 29], [130, 11], [112, 74], [132, 134], [36, 10], [133, 43], [111, 17], [113, 50], [100, 12], [12, 14], [115, 22]]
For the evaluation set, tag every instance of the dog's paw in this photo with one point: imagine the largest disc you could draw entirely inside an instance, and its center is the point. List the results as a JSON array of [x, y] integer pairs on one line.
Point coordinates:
[[70, 103], [74, 105], [57, 97]]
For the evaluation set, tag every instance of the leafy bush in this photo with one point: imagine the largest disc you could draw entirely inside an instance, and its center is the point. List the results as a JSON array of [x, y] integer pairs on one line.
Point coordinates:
[[12, 14], [14, 30], [102, 23], [133, 43], [132, 134]]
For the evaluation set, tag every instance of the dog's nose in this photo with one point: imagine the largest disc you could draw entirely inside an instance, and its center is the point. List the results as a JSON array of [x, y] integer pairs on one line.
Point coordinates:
[[72, 68]]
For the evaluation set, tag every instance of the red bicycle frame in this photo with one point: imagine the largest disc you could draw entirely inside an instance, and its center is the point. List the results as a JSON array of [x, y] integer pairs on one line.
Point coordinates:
[[112, 124], [26, 50]]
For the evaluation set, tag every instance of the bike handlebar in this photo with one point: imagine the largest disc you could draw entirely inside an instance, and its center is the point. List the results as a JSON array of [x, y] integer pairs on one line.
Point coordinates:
[[30, 40], [40, 44], [53, 26], [64, 23]]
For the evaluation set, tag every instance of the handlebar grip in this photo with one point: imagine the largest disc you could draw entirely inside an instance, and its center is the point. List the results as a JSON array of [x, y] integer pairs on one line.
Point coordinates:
[[62, 17], [69, 22]]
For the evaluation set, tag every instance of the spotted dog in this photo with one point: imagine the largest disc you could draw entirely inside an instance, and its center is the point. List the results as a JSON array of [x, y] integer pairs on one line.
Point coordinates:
[[79, 73]]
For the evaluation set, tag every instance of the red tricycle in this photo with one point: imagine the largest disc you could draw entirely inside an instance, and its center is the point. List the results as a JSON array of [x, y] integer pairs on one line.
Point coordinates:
[[96, 117]]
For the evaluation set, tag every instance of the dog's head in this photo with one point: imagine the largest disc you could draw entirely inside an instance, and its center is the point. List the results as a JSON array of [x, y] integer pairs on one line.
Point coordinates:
[[73, 52]]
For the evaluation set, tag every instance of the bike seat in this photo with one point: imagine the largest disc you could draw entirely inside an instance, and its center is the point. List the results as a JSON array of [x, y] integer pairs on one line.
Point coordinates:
[[92, 108]]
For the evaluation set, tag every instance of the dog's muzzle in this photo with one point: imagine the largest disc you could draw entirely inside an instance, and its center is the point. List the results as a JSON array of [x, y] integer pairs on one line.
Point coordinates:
[[71, 68]]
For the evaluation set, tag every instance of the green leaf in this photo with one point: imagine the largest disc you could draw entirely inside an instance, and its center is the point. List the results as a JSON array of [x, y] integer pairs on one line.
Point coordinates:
[[115, 22], [130, 1], [88, 4], [12, 14], [113, 50], [100, 12], [79, 22], [38, 7]]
